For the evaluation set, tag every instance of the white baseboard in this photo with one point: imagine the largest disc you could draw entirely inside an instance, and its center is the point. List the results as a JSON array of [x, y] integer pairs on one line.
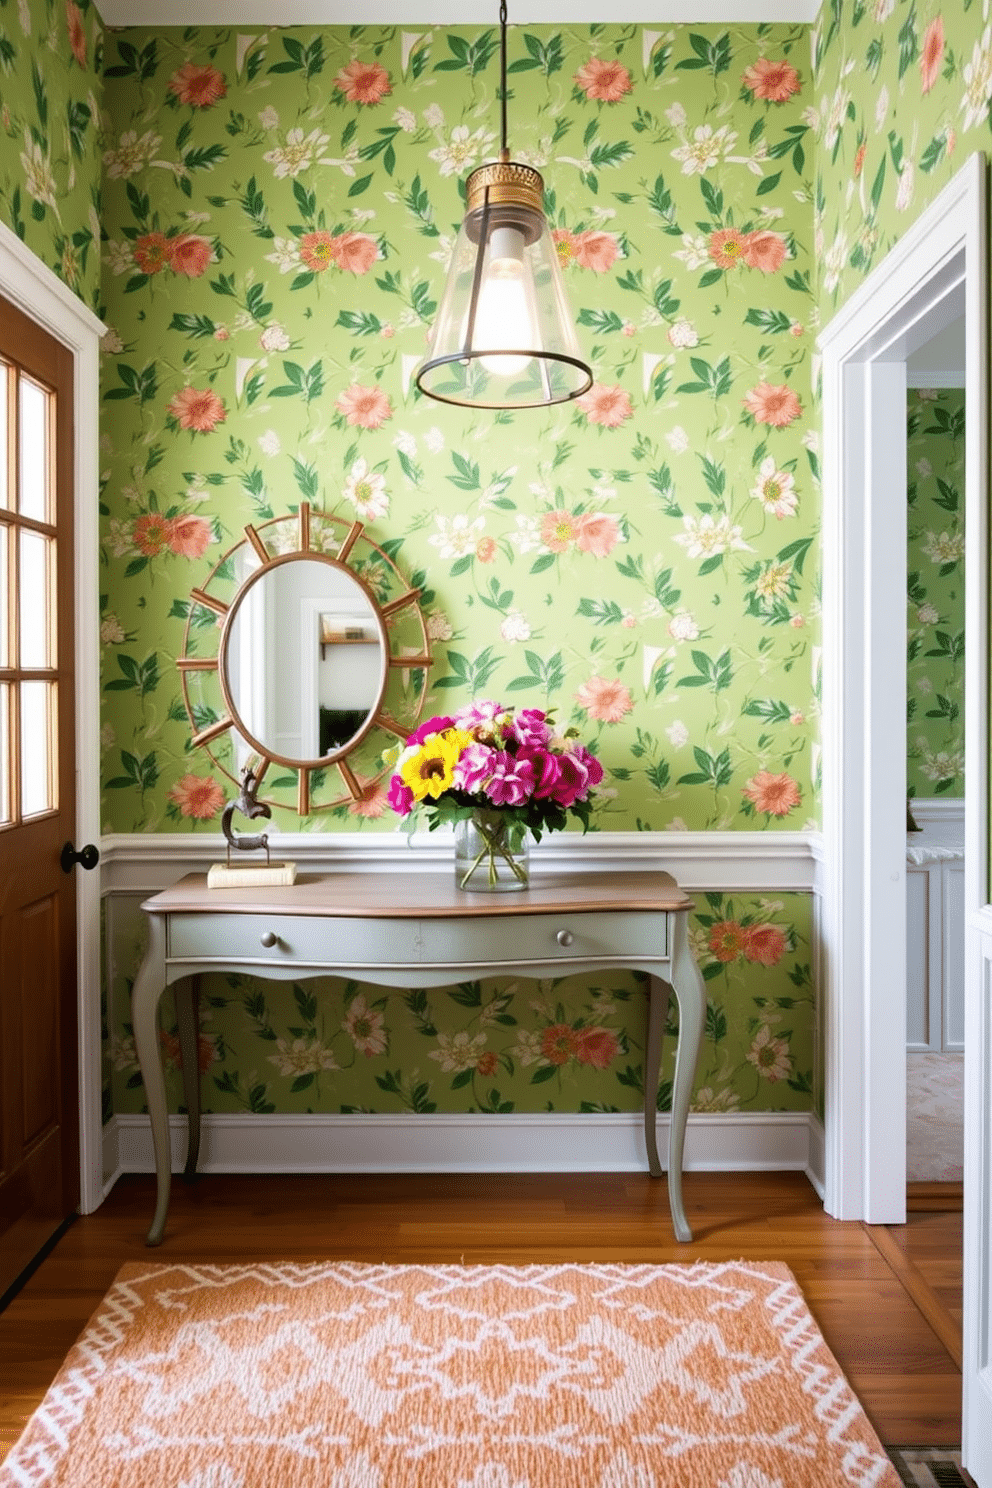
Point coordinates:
[[544, 1142]]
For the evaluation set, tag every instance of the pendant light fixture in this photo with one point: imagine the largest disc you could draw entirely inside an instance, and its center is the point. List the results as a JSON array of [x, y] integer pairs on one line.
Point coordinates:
[[504, 336]]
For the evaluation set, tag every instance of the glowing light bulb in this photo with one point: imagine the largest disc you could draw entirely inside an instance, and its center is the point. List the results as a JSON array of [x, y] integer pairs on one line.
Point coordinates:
[[504, 317]]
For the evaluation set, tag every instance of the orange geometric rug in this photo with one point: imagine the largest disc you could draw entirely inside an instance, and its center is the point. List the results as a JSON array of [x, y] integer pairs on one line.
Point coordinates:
[[344, 1375]]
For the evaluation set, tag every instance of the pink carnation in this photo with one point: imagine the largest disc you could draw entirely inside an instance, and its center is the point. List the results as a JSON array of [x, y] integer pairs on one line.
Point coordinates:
[[512, 781], [474, 768], [530, 728], [435, 725]]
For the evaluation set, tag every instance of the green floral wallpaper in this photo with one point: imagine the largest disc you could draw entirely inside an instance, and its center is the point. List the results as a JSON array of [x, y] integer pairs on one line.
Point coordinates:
[[50, 168], [935, 593], [559, 1045], [279, 207], [902, 96]]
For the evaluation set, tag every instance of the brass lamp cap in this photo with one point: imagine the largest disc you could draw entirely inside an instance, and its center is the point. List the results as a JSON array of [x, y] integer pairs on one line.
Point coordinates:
[[510, 184]]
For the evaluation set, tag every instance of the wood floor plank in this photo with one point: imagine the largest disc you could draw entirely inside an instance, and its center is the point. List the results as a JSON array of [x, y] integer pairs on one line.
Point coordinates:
[[902, 1373]]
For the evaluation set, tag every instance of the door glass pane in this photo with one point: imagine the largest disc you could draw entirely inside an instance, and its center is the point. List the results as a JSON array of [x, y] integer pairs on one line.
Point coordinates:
[[4, 636], [35, 614], [34, 492], [5, 815], [4, 427], [37, 719]]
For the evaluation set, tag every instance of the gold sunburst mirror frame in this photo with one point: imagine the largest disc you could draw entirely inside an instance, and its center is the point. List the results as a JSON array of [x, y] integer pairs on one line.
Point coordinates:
[[237, 638]]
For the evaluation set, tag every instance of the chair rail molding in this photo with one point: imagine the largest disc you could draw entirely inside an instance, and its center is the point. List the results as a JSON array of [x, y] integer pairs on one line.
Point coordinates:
[[698, 861], [42, 295]]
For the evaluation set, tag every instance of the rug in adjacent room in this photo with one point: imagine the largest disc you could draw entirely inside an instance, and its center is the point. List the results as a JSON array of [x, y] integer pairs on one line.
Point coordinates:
[[348, 1375]]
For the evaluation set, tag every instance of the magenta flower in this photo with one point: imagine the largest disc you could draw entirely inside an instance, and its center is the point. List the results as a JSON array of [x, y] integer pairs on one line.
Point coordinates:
[[512, 781], [590, 761], [573, 783], [547, 771], [432, 726], [478, 715], [474, 767], [530, 729], [400, 796]]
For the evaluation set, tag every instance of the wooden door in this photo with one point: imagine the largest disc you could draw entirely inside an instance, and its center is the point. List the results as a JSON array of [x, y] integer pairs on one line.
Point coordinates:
[[39, 1115]]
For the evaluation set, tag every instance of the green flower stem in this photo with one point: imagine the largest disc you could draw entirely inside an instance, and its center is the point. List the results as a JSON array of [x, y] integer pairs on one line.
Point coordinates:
[[491, 846]]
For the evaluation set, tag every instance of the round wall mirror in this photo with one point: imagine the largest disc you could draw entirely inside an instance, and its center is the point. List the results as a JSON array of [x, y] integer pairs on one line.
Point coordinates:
[[305, 649]]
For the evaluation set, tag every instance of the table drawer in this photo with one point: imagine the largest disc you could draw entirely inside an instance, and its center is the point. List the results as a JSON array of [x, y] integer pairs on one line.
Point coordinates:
[[299, 939], [551, 937]]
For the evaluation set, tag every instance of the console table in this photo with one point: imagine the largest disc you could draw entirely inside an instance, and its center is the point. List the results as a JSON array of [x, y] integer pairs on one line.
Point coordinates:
[[420, 930]]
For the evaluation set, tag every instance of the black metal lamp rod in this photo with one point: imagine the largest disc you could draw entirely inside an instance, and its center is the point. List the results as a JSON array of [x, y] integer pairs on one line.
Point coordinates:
[[504, 153]]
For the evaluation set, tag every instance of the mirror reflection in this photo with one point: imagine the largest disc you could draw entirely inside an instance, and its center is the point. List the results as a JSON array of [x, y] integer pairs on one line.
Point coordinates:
[[303, 659]]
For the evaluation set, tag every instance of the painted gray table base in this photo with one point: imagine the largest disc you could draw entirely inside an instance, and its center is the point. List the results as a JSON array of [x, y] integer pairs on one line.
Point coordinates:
[[179, 965]]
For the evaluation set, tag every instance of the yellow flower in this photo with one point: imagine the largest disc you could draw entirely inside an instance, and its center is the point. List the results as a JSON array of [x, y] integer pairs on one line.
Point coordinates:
[[431, 770]]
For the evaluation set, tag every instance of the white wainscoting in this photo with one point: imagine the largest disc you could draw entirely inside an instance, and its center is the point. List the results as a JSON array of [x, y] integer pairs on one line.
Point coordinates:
[[728, 862]]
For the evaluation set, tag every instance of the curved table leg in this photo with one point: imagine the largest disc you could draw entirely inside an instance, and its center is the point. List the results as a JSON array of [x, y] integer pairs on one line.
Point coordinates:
[[690, 991], [187, 995], [659, 993], [147, 990]]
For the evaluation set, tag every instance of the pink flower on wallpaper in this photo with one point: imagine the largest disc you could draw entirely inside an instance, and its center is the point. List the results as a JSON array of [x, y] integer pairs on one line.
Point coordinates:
[[372, 804], [764, 251], [727, 940], [200, 86], [773, 405], [198, 409], [206, 1049], [596, 250], [151, 533], [152, 252], [727, 247], [197, 796], [77, 32], [774, 795], [596, 1046], [558, 531], [932, 53], [189, 537], [608, 406], [764, 944], [356, 252], [772, 81], [605, 699], [317, 250], [189, 254], [487, 1064], [565, 244], [607, 82], [486, 549], [363, 82], [558, 1043], [366, 407], [597, 533]]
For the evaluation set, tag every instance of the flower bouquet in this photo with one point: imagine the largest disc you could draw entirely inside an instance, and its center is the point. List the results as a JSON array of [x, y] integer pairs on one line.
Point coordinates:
[[496, 774]]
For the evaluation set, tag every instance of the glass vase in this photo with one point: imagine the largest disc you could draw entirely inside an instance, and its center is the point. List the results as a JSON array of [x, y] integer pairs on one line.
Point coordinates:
[[491, 853]]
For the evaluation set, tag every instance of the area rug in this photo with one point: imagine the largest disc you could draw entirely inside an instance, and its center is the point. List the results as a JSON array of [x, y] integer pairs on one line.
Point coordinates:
[[350, 1375]]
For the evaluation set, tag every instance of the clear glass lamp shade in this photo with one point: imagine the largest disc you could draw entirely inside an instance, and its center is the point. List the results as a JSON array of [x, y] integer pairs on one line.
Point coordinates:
[[504, 335]]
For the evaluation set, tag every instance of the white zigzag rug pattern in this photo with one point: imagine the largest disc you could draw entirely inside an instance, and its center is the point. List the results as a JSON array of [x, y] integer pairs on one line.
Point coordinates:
[[348, 1375]]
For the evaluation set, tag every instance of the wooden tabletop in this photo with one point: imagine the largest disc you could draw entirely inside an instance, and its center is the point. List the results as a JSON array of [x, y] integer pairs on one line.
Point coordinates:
[[424, 895]]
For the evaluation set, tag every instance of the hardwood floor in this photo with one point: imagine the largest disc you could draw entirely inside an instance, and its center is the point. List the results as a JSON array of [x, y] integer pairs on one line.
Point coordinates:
[[903, 1374]]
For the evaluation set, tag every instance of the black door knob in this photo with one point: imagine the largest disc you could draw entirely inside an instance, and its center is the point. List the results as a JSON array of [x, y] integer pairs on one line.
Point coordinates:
[[87, 858]]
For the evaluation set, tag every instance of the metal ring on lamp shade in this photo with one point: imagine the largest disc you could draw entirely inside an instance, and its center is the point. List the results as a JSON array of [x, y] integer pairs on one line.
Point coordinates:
[[503, 337]]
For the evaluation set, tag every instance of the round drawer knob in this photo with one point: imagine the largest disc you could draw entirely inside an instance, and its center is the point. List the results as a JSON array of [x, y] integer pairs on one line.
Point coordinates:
[[269, 939], [564, 937]]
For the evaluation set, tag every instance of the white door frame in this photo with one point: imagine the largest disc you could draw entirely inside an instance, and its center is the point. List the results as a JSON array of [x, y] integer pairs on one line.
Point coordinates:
[[937, 269], [34, 288]]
